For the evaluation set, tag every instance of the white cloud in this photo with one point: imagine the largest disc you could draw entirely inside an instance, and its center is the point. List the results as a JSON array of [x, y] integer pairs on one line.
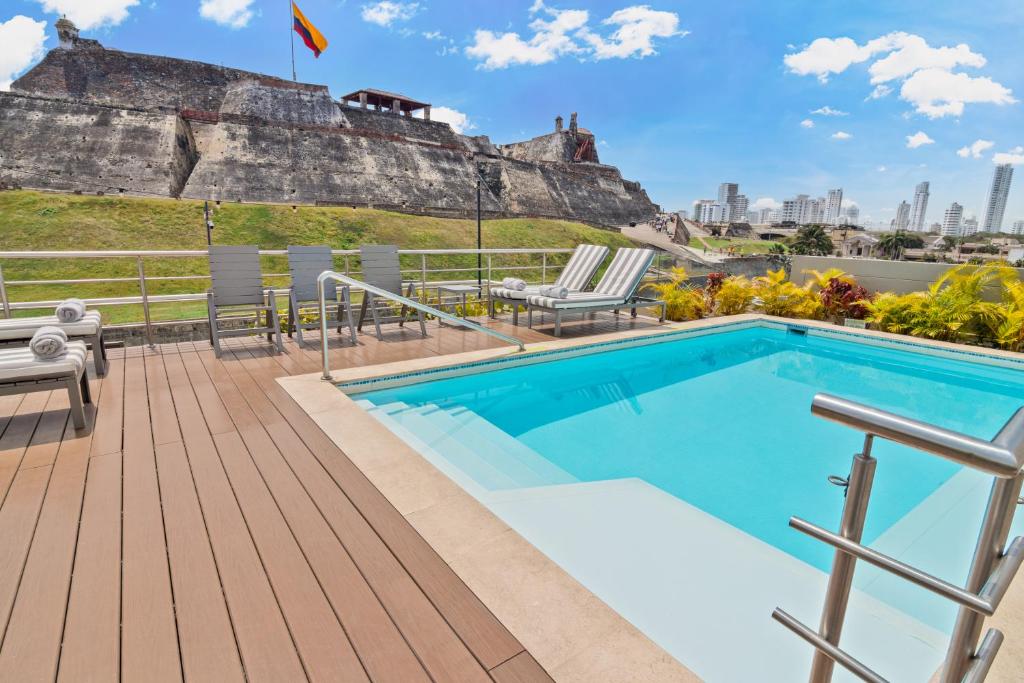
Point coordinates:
[[882, 169], [232, 13], [638, 26], [386, 12], [89, 14], [975, 149], [937, 93], [21, 44], [459, 122], [919, 139], [558, 32], [766, 203], [434, 35], [927, 73], [1014, 156], [841, 135], [829, 111], [807, 123]]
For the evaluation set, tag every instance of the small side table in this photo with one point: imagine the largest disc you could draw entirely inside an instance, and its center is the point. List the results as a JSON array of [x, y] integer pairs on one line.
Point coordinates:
[[462, 290]]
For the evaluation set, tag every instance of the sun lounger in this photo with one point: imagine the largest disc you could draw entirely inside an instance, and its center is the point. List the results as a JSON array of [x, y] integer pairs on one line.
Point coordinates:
[[382, 269], [575, 277], [616, 290], [88, 329], [21, 372]]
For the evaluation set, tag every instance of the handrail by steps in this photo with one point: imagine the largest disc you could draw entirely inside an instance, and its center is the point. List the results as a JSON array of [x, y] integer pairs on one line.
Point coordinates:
[[398, 298]]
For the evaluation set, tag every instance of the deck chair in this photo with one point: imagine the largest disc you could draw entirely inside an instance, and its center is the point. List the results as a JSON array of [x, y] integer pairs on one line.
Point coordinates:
[[381, 269], [237, 287], [575, 277], [616, 290], [89, 330], [21, 373], [305, 265]]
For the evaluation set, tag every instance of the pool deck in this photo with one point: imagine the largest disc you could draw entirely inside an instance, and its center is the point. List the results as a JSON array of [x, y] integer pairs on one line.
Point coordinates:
[[205, 528]]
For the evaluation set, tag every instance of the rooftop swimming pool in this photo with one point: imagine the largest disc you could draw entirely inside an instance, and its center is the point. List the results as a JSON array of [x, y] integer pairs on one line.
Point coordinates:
[[662, 475]]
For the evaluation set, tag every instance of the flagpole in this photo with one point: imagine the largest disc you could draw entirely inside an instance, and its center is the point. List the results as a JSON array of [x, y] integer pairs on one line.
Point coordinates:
[[291, 32]]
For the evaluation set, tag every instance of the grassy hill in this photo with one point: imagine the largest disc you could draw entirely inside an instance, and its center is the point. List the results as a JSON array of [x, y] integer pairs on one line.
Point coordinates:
[[44, 221]]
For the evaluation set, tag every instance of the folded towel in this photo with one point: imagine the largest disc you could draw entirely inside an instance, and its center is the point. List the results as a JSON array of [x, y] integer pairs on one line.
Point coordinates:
[[48, 343], [70, 310], [514, 283], [554, 291]]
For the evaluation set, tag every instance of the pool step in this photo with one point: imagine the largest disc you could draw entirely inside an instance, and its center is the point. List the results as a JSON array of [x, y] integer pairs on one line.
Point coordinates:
[[490, 457]]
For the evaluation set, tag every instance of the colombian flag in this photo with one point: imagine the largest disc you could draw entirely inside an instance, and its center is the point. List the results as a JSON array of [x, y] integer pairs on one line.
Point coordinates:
[[313, 39]]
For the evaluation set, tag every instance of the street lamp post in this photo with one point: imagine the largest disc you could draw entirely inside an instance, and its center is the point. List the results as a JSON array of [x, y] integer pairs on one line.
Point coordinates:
[[479, 238]]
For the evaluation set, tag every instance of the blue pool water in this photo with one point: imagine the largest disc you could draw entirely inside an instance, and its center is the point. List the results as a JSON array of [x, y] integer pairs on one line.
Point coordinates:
[[721, 421]]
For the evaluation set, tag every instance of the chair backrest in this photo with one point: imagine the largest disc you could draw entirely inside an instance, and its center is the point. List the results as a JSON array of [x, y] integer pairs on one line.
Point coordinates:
[[305, 265], [235, 276], [582, 265], [380, 266], [625, 272]]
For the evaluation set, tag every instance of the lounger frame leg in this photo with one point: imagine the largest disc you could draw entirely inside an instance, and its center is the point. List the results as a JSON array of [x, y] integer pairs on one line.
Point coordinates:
[[99, 354], [211, 313], [293, 317], [76, 401], [515, 314], [347, 302], [274, 322], [376, 315], [529, 316], [558, 322]]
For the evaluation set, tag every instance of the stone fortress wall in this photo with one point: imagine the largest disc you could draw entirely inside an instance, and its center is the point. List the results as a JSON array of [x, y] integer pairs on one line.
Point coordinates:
[[90, 119]]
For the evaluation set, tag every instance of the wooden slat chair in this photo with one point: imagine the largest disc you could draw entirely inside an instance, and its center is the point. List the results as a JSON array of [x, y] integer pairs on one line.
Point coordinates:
[[22, 372], [305, 265], [381, 268], [237, 287]]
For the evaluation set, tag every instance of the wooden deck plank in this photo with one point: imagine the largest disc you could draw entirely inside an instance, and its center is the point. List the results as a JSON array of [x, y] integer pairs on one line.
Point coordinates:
[[264, 640], [18, 518], [48, 433], [161, 406], [149, 639], [420, 620], [378, 642], [32, 641], [8, 407], [207, 638], [485, 636], [92, 629], [522, 668], [108, 432], [18, 435]]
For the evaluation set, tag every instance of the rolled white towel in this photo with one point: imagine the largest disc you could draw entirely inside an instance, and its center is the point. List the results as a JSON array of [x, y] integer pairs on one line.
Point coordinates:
[[48, 343], [70, 310], [554, 291], [514, 283]]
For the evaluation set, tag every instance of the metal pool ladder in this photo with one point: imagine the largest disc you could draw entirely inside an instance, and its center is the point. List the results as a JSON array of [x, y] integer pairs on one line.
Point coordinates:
[[992, 569]]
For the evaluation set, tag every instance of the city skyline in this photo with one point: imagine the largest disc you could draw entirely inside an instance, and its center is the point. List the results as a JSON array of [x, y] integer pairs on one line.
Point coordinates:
[[821, 95]]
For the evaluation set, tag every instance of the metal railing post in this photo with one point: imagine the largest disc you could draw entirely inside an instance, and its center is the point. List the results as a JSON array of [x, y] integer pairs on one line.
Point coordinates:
[[145, 301], [489, 280], [544, 268], [3, 295], [837, 595], [323, 328], [423, 278], [995, 529]]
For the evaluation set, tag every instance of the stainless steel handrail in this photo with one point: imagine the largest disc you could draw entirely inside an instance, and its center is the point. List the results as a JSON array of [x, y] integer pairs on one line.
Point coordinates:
[[993, 566], [398, 298], [1002, 457]]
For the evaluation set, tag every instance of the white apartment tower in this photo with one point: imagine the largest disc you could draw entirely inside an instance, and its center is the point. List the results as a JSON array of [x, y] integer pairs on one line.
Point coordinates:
[[920, 208], [996, 205], [738, 209], [728, 194], [951, 220], [902, 219], [852, 214], [834, 206], [1018, 227]]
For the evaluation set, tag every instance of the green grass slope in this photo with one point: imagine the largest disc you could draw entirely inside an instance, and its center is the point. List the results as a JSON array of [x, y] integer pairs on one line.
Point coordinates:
[[34, 221]]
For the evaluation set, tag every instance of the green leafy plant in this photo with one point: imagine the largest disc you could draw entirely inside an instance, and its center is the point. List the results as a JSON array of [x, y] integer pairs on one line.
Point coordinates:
[[811, 240], [890, 312], [734, 296], [683, 301], [776, 295]]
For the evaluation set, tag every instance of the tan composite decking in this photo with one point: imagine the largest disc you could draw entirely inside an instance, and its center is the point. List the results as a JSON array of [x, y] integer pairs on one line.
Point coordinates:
[[206, 528]]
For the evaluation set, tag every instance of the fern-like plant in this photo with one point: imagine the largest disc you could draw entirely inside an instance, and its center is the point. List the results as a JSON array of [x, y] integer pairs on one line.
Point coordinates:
[[775, 295], [734, 296], [682, 301]]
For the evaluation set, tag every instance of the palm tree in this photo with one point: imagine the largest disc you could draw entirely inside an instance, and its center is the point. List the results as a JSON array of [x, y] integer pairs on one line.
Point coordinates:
[[811, 240], [892, 243], [776, 248]]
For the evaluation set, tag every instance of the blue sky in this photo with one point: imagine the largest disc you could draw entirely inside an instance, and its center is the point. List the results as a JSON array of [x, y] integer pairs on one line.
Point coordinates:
[[681, 95]]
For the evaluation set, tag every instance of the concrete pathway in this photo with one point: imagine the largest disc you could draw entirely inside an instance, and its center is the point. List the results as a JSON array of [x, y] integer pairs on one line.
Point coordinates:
[[648, 235]]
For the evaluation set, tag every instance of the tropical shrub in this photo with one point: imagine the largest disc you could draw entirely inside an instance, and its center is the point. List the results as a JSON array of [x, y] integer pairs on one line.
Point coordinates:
[[819, 280], [682, 301], [734, 296], [890, 312], [811, 240], [953, 309], [1006, 322], [844, 298], [775, 295]]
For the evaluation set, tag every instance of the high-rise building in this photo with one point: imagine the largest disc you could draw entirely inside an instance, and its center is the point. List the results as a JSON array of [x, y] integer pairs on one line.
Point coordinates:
[[834, 206], [767, 215], [727, 193], [951, 220], [920, 208], [1018, 228], [996, 205], [716, 213], [852, 214], [738, 208], [970, 226], [795, 210], [698, 209], [902, 219]]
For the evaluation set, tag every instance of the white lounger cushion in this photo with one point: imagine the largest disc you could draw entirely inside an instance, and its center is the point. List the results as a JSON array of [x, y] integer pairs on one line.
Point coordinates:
[[618, 283], [19, 364], [576, 275], [24, 328], [574, 300], [506, 293]]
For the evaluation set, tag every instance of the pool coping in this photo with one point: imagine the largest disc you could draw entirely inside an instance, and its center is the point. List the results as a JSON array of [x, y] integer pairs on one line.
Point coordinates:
[[572, 633]]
